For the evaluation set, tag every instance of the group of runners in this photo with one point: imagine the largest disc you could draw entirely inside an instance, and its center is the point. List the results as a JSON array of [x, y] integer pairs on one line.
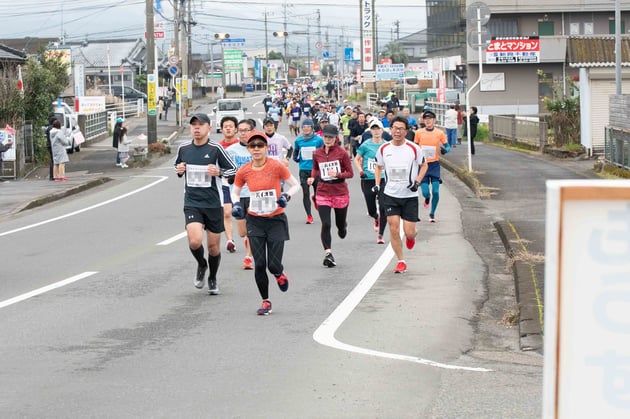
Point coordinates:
[[246, 177]]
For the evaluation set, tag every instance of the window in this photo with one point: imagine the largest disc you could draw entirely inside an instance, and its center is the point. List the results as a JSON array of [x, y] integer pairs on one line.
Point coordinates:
[[545, 28], [588, 28], [574, 29], [611, 26]]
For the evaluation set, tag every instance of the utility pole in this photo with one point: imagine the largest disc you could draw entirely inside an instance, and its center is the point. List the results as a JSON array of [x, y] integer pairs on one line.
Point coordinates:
[[397, 25], [151, 118], [286, 59], [177, 52], [266, 50]]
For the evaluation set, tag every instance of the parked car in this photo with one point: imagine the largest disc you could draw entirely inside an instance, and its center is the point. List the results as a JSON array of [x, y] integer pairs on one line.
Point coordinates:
[[228, 107], [130, 93]]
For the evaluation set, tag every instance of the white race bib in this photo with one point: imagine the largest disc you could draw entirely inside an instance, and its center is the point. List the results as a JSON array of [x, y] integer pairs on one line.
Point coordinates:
[[197, 176], [306, 153], [263, 202]]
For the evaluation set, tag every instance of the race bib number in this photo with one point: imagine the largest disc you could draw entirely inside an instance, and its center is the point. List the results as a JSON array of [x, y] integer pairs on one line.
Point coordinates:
[[306, 153], [398, 174], [429, 152], [263, 202], [325, 167], [197, 176], [371, 165]]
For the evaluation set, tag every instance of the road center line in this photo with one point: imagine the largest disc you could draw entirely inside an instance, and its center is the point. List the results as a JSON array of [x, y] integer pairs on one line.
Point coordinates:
[[109, 201], [47, 288], [325, 333]]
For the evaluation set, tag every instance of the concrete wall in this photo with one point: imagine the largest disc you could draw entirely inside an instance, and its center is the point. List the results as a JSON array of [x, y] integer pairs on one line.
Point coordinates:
[[619, 111]]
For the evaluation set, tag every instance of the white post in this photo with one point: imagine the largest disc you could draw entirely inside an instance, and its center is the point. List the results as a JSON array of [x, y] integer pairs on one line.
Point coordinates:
[[109, 72], [472, 87]]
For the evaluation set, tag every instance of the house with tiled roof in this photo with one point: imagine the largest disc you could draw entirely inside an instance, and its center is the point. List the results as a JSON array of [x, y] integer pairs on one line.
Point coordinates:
[[11, 56]]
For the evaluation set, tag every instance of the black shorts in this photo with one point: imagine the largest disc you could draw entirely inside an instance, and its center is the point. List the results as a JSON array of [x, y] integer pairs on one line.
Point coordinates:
[[272, 228], [406, 208], [227, 197], [211, 218]]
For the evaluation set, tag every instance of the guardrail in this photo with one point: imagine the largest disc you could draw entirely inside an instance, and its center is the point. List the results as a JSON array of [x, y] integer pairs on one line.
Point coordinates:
[[617, 147], [93, 125], [518, 129]]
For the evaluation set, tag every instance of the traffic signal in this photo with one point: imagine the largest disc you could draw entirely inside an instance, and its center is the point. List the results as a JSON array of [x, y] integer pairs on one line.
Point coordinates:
[[281, 34], [221, 35]]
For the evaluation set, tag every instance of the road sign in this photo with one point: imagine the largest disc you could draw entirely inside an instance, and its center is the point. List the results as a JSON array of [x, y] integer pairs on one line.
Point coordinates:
[[390, 71], [318, 45], [173, 70], [156, 35], [325, 54], [173, 59], [233, 42]]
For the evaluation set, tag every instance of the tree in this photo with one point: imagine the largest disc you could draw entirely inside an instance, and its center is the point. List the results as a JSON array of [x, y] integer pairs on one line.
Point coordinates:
[[395, 52], [564, 109], [273, 55]]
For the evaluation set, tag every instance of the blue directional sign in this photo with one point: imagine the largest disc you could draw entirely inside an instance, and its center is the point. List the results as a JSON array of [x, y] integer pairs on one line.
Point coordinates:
[[348, 55], [233, 42], [325, 54], [173, 70]]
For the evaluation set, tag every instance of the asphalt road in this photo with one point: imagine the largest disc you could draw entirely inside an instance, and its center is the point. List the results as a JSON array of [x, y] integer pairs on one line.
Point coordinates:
[[127, 334]]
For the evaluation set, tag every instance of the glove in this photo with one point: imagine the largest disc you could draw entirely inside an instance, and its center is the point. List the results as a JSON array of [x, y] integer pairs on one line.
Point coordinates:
[[443, 150], [414, 187], [230, 180], [375, 188], [282, 201], [237, 211], [362, 174]]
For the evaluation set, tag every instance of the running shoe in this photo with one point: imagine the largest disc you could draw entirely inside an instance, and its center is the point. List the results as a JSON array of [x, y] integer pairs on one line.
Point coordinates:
[[410, 242], [431, 218], [426, 202], [376, 225], [380, 240], [201, 274], [230, 246], [248, 263], [283, 282], [309, 219], [329, 260], [401, 267], [265, 308], [213, 289], [314, 202]]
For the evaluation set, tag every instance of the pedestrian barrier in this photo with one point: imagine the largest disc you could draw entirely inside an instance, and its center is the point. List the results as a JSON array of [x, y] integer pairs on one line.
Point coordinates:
[[617, 147]]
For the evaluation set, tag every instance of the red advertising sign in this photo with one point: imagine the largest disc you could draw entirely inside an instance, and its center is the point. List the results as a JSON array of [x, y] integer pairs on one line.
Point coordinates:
[[513, 50]]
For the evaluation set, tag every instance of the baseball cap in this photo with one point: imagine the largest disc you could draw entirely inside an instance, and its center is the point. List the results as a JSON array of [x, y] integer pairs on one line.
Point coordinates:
[[308, 122], [348, 107], [268, 120], [428, 114], [330, 131], [201, 117], [256, 135], [118, 120], [324, 118], [376, 122]]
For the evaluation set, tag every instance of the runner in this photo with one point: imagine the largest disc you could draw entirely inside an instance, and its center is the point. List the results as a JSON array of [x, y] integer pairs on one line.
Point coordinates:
[[365, 162], [404, 166], [279, 147], [267, 224], [228, 129], [203, 162], [433, 143], [240, 155], [332, 166], [305, 146]]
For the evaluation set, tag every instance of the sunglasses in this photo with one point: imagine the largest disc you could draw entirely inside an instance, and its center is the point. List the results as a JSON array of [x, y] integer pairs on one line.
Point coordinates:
[[256, 145]]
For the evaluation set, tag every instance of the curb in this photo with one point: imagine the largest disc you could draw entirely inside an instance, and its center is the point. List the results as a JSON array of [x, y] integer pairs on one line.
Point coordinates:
[[62, 194]]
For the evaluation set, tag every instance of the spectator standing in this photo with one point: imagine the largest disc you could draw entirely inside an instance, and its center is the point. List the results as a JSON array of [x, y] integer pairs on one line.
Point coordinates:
[[116, 136], [58, 144], [123, 148], [49, 148], [450, 123], [474, 121]]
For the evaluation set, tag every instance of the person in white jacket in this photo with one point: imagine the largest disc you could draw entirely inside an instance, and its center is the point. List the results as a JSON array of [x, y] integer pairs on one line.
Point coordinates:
[[450, 123], [58, 144]]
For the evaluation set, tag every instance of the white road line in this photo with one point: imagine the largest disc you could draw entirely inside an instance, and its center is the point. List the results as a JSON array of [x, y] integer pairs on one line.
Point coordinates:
[[109, 201], [325, 333], [47, 288], [172, 239]]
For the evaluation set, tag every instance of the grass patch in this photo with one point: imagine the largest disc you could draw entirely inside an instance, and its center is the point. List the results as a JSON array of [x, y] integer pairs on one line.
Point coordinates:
[[510, 318]]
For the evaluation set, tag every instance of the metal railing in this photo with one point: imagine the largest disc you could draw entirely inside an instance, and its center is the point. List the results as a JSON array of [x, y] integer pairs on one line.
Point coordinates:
[[518, 129], [93, 125], [617, 147]]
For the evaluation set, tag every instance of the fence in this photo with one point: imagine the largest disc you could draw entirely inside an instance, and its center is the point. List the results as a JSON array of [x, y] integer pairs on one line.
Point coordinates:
[[517, 129], [93, 125], [617, 147]]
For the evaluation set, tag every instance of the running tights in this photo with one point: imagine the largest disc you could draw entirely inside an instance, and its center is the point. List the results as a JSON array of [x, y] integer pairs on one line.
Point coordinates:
[[434, 195], [267, 254], [370, 200], [325, 217]]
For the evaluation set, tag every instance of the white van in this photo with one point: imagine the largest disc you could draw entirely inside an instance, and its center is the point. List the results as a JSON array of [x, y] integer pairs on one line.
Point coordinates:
[[228, 107]]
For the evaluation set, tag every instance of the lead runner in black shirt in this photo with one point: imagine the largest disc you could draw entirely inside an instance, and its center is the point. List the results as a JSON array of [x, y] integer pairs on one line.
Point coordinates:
[[203, 162]]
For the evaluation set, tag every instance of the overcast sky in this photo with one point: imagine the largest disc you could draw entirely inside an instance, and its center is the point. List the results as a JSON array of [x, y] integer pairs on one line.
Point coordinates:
[[98, 19]]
